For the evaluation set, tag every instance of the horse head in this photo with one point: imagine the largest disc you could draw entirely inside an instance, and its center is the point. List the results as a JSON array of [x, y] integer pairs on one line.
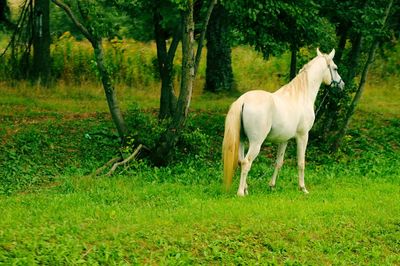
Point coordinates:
[[331, 76]]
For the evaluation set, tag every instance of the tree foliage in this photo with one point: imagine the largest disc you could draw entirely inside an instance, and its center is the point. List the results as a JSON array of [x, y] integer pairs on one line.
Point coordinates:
[[273, 26]]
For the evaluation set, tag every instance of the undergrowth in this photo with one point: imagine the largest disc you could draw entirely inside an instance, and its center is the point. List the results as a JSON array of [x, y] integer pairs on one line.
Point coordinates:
[[38, 148]]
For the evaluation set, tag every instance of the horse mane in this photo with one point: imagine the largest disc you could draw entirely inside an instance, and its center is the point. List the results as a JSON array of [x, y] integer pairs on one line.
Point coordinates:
[[306, 66], [300, 82]]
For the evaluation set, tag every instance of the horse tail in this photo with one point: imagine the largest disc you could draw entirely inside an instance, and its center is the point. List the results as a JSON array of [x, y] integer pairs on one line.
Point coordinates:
[[230, 144]]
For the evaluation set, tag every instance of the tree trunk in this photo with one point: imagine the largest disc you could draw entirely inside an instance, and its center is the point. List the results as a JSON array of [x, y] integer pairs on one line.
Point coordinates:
[[293, 61], [187, 78], [354, 57], [342, 32], [41, 41], [165, 65], [109, 90], [5, 14], [170, 137], [219, 74], [167, 98]]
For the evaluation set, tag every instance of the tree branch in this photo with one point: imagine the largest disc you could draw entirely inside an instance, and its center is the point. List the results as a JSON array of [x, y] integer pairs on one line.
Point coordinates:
[[159, 38], [107, 164], [130, 158], [74, 19], [203, 35], [174, 45]]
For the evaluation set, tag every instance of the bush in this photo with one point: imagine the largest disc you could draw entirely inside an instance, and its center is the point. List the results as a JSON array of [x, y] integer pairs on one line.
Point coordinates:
[[147, 129]]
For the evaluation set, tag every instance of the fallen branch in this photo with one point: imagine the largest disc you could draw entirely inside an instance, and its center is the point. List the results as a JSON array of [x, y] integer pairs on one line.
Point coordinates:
[[124, 162], [107, 164]]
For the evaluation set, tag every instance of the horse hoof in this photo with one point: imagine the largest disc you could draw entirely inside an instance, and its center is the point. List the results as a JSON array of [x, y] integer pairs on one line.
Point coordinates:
[[241, 193], [305, 191]]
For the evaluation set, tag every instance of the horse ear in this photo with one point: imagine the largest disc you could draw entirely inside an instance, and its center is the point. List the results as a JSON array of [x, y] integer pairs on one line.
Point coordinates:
[[319, 52], [332, 54]]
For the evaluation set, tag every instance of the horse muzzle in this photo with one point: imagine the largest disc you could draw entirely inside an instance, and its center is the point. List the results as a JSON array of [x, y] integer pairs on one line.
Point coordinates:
[[338, 84], [341, 84]]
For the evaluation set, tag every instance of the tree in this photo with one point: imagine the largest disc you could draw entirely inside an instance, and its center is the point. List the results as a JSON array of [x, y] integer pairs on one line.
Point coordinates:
[[219, 74], [164, 20], [190, 62], [172, 22], [364, 25], [5, 15], [346, 15], [41, 41], [165, 58], [95, 27], [371, 54]]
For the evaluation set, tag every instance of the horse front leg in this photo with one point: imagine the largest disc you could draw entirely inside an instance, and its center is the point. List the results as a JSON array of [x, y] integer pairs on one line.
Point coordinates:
[[301, 153], [278, 164]]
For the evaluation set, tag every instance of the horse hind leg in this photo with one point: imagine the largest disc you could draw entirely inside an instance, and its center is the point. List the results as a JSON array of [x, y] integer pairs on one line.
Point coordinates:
[[254, 150], [241, 152], [278, 164]]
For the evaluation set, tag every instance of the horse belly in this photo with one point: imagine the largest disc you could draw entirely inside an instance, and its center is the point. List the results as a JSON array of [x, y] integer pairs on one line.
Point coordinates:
[[285, 120]]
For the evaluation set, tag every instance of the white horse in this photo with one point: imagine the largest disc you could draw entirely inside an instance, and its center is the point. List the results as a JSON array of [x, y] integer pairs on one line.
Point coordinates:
[[279, 116]]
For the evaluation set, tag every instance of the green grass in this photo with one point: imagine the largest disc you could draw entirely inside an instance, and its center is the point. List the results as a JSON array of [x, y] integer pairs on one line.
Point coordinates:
[[53, 213], [126, 220]]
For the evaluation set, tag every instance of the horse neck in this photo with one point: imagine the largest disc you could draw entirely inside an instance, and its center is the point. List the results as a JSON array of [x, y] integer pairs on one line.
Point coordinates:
[[304, 87], [314, 78]]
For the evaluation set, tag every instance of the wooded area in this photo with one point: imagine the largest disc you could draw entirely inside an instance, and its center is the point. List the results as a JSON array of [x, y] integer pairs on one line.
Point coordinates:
[[356, 29]]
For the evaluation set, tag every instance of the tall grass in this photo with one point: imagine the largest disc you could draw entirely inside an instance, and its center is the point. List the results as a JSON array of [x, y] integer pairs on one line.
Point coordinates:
[[134, 64]]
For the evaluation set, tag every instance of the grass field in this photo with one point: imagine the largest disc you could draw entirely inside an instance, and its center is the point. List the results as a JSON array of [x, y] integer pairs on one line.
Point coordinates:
[[52, 212], [125, 220]]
